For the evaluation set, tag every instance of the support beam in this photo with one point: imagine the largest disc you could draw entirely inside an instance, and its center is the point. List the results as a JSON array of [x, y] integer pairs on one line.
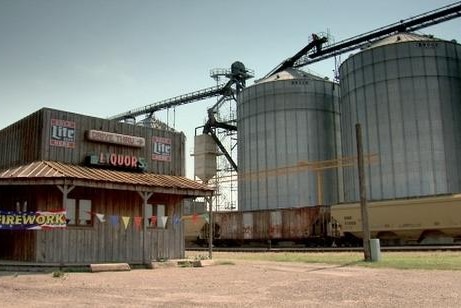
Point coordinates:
[[65, 189], [210, 227], [145, 196]]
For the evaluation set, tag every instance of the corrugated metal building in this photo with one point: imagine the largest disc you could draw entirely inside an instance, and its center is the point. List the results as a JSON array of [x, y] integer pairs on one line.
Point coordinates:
[[121, 185]]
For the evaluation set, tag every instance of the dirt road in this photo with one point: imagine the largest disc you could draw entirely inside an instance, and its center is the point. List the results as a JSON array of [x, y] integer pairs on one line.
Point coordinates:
[[243, 284]]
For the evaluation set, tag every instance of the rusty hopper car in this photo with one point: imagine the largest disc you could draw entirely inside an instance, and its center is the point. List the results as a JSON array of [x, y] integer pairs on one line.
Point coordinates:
[[307, 226], [417, 221]]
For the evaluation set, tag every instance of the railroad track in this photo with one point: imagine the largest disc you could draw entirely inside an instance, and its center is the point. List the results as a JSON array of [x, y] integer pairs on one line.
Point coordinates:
[[326, 249]]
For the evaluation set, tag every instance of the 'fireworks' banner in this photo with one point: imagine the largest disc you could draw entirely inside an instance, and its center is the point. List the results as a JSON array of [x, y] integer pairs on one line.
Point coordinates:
[[13, 220]]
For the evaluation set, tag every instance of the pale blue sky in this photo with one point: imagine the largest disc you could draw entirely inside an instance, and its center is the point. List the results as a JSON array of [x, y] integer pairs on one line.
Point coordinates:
[[103, 57]]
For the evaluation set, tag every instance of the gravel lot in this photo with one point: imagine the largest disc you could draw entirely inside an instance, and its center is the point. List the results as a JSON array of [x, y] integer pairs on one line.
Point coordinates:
[[242, 284]]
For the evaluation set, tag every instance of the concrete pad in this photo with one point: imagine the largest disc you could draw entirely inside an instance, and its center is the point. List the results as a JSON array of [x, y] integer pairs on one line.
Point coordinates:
[[109, 267]]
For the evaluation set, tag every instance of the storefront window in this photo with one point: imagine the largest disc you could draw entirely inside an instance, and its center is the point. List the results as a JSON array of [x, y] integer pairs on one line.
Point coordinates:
[[78, 212], [156, 217]]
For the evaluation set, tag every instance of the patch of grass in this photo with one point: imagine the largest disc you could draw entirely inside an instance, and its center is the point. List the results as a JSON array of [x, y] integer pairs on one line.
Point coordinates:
[[58, 274], [438, 260], [186, 264], [419, 260]]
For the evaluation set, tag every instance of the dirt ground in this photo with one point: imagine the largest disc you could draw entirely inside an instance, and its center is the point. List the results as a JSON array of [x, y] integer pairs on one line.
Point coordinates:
[[242, 284]]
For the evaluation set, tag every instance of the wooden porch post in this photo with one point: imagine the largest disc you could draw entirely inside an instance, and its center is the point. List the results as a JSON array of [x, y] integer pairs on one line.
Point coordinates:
[[145, 196], [65, 189]]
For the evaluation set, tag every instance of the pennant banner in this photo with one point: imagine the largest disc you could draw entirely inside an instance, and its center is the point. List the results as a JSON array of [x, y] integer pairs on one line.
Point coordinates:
[[100, 217], [38, 220], [176, 220], [137, 222], [162, 221], [114, 220], [126, 221]]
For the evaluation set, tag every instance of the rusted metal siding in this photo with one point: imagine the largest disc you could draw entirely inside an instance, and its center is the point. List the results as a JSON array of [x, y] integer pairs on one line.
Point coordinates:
[[298, 223], [288, 224], [230, 224], [101, 242]]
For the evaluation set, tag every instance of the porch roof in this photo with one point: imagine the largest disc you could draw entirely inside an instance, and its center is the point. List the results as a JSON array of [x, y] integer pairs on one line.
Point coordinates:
[[57, 173]]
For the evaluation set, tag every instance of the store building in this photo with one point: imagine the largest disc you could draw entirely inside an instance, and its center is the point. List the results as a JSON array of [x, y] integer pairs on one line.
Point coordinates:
[[77, 190]]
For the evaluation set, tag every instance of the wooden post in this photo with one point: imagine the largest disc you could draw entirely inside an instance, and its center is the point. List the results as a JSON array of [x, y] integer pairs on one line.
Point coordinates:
[[363, 195], [145, 196], [65, 189]]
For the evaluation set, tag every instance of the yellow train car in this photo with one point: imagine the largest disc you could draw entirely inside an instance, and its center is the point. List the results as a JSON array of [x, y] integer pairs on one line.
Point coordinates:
[[193, 225], [423, 221]]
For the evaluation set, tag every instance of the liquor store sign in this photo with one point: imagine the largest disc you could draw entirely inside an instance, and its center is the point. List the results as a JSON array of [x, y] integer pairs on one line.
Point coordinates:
[[117, 161], [114, 138]]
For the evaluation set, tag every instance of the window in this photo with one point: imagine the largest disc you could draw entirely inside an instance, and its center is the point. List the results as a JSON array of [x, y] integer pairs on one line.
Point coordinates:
[[78, 212], [157, 210]]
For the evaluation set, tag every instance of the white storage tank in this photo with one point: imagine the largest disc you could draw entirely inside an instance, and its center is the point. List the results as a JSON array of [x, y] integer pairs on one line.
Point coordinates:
[[288, 126], [405, 91]]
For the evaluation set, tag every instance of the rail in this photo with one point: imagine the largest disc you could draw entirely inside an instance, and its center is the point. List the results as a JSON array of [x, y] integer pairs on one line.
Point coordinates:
[[328, 249]]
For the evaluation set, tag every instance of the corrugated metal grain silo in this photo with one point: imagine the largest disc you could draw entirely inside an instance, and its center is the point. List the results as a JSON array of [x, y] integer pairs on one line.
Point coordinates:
[[288, 125], [405, 91]]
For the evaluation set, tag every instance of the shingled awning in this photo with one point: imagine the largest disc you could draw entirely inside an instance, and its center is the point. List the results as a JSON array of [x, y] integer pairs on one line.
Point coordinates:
[[56, 173]]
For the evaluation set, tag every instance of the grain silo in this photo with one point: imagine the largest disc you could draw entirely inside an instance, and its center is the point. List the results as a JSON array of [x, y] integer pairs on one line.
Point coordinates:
[[288, 126], [405, 91]]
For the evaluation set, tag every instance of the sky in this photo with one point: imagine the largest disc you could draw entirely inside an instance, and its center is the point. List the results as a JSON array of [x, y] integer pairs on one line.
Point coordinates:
[[104, 57]]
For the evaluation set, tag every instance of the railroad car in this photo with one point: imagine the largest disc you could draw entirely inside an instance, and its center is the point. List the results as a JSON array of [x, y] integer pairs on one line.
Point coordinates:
[[417, 221], [306, 226]]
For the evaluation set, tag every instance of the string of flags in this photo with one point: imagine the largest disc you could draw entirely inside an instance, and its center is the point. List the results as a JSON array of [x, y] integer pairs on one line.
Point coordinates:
[[159, 222], [43, 220]]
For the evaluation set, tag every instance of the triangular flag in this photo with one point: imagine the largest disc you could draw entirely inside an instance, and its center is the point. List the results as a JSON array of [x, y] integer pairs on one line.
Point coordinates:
[[195, 218], [100, 217], [163, 220], [153, 220], [176, 219], [126, 221], [137, 222], [114, 220]]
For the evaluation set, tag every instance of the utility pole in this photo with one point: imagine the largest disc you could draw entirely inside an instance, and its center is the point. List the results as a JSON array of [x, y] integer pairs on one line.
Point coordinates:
[[363, 195]]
